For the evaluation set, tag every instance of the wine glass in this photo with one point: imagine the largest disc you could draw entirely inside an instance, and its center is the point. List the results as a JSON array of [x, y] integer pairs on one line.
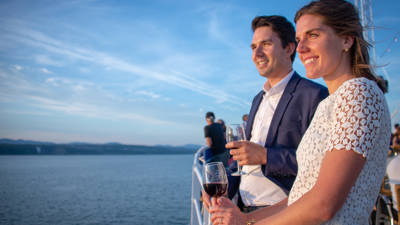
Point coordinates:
[[235, 132], [215, 181]]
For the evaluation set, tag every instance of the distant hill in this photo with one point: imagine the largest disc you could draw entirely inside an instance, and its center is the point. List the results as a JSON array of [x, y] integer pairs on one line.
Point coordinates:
[[20, 141], [14, 147]]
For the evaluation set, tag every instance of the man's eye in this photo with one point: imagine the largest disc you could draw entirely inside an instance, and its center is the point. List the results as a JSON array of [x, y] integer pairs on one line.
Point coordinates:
[[313, 35]]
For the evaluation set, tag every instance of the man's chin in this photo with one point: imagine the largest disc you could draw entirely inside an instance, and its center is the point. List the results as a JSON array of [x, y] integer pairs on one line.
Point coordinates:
[[264, 73]]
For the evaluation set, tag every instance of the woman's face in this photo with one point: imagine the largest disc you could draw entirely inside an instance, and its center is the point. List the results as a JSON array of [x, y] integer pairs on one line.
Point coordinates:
[[319, 48]]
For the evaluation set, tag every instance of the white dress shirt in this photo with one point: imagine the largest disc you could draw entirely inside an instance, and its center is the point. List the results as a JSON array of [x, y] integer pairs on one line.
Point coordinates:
[[256, 189]]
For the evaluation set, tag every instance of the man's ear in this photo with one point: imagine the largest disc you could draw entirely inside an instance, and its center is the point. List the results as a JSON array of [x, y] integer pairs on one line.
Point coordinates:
[[290, 48]]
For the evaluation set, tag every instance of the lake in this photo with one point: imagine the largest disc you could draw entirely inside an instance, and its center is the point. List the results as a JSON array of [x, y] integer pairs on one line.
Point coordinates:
[[95, 189]]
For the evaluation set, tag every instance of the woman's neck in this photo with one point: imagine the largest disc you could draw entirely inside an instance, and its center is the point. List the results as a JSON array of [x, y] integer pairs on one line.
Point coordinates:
[[341, 74], [334, 84]]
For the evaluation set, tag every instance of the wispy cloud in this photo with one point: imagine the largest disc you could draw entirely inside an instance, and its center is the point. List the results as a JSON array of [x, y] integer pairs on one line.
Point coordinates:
[[46, 71], [93, 111], [18, 67], [40, 40], [15, 89], [47, 60], [148, 93]]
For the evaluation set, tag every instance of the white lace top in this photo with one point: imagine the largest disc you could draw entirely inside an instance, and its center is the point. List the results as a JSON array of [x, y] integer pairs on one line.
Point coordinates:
[[356, 118]]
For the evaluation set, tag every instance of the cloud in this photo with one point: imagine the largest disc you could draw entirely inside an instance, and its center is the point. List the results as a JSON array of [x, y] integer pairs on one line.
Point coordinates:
[[18, 67], [87, 110], [148, 93], [46, 71], [37, 39], [46, 60], [15, 89]]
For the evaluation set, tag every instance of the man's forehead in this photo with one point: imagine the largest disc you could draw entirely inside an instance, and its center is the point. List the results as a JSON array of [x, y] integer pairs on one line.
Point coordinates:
[[264, 33]]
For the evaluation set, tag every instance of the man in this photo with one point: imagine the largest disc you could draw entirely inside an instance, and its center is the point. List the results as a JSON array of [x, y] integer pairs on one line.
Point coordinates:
[[245, 117], [395, 139], [278, 118], [215, 140], [393, 172]]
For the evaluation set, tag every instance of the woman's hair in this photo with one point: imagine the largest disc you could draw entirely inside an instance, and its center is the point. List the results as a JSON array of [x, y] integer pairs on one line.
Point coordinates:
[[343, 18]]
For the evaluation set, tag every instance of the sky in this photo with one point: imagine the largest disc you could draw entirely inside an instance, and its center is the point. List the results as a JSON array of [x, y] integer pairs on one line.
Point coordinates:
[[144, 72]]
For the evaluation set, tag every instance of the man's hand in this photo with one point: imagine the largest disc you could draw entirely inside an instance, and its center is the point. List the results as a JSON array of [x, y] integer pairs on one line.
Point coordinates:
[[248, 153]]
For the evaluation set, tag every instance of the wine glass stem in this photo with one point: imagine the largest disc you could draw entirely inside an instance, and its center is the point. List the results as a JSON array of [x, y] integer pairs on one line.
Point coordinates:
[[239, 168]]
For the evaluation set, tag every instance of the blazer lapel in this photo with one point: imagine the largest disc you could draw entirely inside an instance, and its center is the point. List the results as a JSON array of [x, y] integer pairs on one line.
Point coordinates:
[[252, 114], [281, 108]]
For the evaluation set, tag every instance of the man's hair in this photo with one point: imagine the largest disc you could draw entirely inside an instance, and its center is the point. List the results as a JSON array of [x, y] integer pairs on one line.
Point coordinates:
[[210, 116], [396, 125], [281, 26]]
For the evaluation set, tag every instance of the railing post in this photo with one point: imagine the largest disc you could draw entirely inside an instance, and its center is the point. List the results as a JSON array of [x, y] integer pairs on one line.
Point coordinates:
[[196, 217]]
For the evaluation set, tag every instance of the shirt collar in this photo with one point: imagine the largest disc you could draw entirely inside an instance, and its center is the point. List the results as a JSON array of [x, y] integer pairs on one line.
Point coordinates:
[[280, 86]]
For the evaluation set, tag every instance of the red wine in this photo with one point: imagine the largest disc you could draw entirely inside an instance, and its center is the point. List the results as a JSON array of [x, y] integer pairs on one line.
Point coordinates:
[[215, 189]]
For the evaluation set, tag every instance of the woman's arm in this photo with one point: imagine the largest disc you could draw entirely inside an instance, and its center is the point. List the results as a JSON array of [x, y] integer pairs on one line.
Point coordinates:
[[224, 208], [338, 173]]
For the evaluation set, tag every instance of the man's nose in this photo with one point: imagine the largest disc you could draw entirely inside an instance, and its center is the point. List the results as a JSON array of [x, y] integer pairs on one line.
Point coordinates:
[[259, 51]]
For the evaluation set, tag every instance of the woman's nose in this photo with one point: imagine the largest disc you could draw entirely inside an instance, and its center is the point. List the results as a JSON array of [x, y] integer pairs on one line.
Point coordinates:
[[301, 46]]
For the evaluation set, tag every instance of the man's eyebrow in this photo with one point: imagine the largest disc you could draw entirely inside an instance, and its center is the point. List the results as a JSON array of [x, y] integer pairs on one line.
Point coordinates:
[[262, 41]]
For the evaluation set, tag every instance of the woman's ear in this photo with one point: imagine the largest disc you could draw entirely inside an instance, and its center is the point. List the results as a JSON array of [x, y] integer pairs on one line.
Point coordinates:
[[348, 42]]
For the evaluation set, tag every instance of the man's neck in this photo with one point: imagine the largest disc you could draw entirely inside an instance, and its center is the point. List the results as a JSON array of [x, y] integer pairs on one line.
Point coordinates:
[[274, 80], [271, 82]]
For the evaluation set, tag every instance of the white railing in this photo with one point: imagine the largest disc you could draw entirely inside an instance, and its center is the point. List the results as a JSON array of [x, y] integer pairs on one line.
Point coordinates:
[[197, 215]]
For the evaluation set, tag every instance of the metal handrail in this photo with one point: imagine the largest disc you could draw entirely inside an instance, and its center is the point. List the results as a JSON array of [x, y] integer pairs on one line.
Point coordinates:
[[196, 215]]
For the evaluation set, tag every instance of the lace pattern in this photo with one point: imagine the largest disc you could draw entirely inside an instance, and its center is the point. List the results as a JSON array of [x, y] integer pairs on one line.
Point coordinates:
[[354, 118]]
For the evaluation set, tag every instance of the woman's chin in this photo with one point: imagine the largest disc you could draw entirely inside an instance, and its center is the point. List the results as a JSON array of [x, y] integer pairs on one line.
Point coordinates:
[[312, 75]]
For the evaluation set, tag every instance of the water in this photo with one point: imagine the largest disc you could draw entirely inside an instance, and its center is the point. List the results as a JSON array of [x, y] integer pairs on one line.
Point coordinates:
[[96, 189]]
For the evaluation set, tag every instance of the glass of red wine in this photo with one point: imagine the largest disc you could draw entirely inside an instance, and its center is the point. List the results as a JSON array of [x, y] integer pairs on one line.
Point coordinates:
[[236, 132], [215, 181]]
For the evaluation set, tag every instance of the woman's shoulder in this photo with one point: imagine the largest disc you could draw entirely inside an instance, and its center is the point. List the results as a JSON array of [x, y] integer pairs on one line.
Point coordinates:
[[359, 86]]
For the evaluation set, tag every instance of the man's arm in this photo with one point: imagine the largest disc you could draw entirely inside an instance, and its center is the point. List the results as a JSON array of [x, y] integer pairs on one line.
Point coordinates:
[[274, 160], [281, 157], [278, 159]]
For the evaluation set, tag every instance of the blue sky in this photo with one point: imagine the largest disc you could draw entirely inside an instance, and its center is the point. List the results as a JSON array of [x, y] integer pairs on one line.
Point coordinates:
[[142, 72]]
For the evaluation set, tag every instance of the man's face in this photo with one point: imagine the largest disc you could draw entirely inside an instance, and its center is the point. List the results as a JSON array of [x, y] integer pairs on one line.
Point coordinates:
[[271, 60]]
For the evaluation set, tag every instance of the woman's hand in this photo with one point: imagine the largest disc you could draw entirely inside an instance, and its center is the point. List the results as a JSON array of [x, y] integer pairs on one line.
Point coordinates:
[[206, 200], [224, 211]]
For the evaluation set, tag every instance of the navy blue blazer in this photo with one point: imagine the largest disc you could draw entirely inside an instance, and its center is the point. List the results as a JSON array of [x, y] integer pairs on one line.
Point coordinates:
[[291, 118]]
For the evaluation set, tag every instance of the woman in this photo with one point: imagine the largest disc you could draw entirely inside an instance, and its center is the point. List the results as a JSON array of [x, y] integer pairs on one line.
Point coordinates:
[[342, 155]]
